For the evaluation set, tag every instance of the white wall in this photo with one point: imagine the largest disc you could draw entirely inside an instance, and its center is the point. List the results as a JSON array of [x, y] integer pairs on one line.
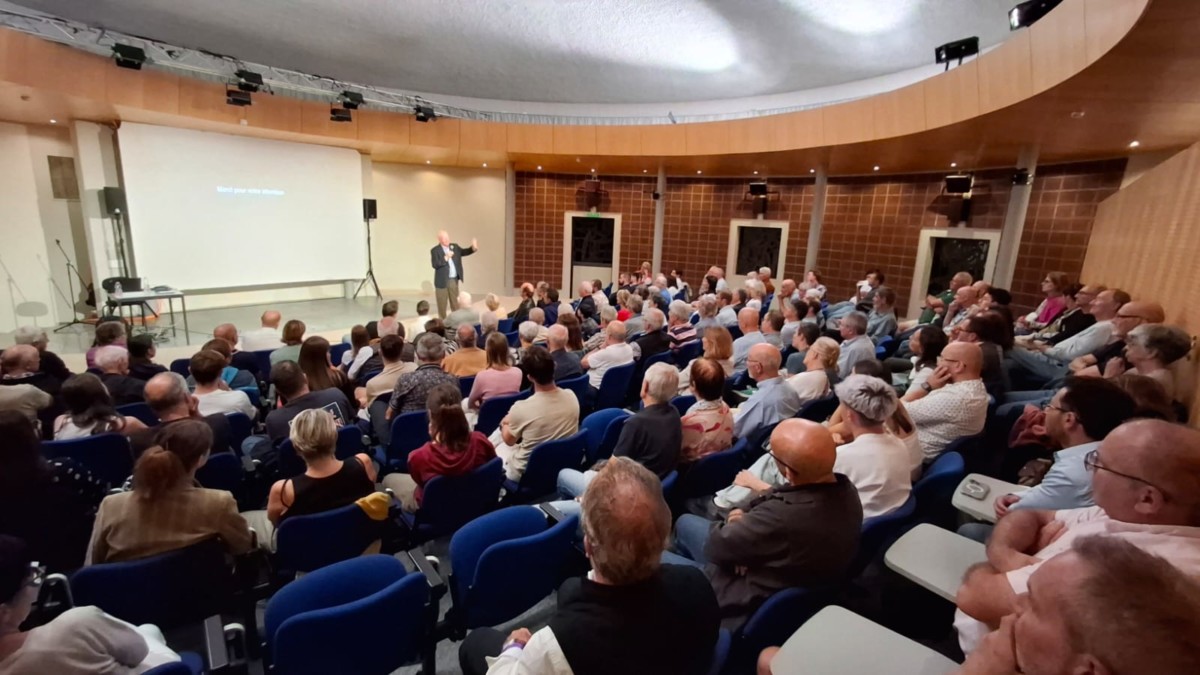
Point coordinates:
[[62, 219], [417, 201], [96, 168], [23, 260]]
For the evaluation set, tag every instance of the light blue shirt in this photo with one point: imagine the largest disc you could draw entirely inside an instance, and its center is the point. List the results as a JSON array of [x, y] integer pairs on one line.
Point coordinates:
[[1067, 485], [741, 349], [727, 317], [854, 350], [774, 402], [880, 325], [453, 270]]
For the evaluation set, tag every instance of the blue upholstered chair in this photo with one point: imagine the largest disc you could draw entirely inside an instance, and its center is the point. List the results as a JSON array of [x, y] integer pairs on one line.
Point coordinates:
[[108, 456], [601, 430], [936, 488], [818, 410], [182, 366], [712, 473], [493, 411], [773, 623], [541, 473], [409, 431], [306, 543], [683, 403], [448, 503], [613, 387], [141, 412], [580, 386], [879, 532]]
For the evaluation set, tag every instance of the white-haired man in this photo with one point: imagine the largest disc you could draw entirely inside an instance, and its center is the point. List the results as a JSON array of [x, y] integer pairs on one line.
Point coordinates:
[[23, 387], [446, 260], [655, 340], [49, 362], [856, 346], [679, 324], [616, 352], [113, 362], [764, 277], [876, 461], [464, 314], [587, 309], [596, 341], [537, 315], [566, 364]]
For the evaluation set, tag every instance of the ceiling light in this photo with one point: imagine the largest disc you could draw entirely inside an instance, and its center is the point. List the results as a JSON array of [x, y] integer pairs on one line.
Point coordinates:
[[1027, 13], [1077, 115], [699, 171], [128, 56], [56, 122], [237, 97], [953, 164], [485, 165], [645, 171], [593, 171], [351, 100], [424, 113], [340, 115], [959, 49], [812, 170], [876, 168], [539, 167], [248, 81], [755, 173], [428, 161], [1132, 144]]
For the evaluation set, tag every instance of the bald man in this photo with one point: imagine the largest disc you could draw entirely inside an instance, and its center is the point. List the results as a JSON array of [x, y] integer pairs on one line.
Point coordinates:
[[803, 533], [1145, 478], [772, 401], [960, 308], [446, 259], [1131, 315], [953, 402], [24, 389], [267, 336], [751, 335], [242, 360]]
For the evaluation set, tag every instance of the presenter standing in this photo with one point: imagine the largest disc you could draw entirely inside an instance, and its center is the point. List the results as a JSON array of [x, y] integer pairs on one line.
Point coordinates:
[[446, 259]]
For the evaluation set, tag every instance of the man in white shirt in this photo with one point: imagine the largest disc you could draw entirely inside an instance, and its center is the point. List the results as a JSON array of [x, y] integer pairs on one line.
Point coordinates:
[[267, 336], [1145, 478], [719, 273], [616, 352], [726, 316], [1041, 363], [463, 313], [856, 346], [748, 323], [211, 396], [952, 402], [874, 460], [631, 614]]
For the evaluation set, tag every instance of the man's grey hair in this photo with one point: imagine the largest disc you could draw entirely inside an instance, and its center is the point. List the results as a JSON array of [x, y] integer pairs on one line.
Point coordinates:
[[537, 315], [615, 331], [872, 398], [431, 348], [765, 270], [488, 322], [680, 310], [1170, 343], [654, 319], [466, 335], [528, 330], [660, 281], [662, 382], [464, 300], [29, 335], [557, 335], [608, 314], [175, 393], [856, 321], [111, 356], [707, 306], [635, 304]]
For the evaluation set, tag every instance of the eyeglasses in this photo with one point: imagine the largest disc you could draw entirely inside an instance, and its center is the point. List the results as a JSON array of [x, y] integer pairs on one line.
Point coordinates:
[[942, 359], [776, 458], [1051, 406], [1130, 316], [37, 575], [1092, 462]]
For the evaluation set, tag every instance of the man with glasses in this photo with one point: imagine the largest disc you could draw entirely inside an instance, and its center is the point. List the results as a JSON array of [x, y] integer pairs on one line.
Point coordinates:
[[1039, 365], [952, 402], [1146, 486], [1130, 316], [802, 534]]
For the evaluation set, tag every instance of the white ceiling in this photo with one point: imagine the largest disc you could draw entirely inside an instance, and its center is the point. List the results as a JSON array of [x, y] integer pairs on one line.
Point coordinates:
[[564, 51]]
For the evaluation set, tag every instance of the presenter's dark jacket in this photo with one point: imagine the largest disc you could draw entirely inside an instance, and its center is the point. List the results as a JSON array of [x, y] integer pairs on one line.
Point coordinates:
[[441, 266]]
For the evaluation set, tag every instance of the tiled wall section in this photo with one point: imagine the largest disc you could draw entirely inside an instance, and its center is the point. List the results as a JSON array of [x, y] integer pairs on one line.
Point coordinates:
[[1058, 225]]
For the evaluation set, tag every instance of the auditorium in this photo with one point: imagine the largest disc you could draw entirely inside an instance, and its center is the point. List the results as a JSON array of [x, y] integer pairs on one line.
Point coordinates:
[[561, 337]]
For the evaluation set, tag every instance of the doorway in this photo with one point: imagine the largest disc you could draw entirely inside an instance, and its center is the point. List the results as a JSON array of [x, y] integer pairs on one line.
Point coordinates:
[[591, 248], [942, 252], [754, 244]]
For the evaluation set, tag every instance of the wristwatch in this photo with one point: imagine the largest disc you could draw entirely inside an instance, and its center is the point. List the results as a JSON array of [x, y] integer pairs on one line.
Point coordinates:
[[926, 387]]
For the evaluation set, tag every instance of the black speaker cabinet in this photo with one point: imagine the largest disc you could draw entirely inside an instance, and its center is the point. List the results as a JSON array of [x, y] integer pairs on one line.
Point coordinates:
[[369, 212], [113, 201]]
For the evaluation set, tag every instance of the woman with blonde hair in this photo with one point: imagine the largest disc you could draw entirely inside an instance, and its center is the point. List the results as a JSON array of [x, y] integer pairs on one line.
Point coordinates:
[[718, 346], [821, 357]]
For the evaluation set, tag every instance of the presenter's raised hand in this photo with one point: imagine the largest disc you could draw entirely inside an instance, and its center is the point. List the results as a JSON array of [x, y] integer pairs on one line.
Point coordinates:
[[474, 243]]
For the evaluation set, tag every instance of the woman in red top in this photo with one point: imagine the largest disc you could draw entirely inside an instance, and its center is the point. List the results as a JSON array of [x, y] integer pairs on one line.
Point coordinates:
[[454, 451]]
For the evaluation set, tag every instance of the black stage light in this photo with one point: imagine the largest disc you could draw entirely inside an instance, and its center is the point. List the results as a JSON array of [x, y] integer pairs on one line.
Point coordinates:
[[237, 97], [249, 81], [340, 115], [351, 100], [424, 113], [959, 184], [959, 49], [758, 188], [1027, 13], [128, 56]]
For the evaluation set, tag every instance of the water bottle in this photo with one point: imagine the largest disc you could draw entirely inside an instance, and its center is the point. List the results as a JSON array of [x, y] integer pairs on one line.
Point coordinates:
[[117, 290]]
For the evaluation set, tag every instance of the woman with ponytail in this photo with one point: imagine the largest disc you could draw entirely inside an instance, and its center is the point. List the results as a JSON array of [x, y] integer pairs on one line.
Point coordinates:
[[167, 509]]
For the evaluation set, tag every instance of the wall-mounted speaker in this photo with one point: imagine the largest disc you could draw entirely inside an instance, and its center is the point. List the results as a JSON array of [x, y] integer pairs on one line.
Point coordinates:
[[959, 184], [112, 201], [369, 212]]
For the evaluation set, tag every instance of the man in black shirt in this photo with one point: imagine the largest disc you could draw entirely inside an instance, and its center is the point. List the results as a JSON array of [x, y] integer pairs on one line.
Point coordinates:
[[141, 358], [655, 340], [632, 614], [113, 362], [566, 364]]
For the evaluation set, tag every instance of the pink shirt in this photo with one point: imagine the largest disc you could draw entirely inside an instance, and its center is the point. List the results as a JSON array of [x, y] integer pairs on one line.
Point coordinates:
[[707, 428], [1050, 309], [492, 382]]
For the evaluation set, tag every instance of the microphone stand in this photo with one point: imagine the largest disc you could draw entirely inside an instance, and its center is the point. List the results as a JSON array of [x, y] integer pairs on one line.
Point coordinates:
[[72, 274]]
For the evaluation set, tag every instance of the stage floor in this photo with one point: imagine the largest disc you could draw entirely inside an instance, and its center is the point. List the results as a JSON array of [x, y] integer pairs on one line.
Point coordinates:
[[331, 319]]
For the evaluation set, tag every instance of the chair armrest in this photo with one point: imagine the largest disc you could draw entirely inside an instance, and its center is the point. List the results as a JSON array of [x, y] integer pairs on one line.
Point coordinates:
[[437, 585], [552, 513], [216, 647]]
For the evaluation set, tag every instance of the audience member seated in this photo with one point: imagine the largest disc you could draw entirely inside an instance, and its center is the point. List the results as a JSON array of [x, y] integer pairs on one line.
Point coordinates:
[[211, 397], [708, 424], [727, 314], [492, 302], [1049, 309], [770, 326], [802, 340], [959, 309], [1149, 398], [636, 323], [463, 315], [168, 397], [881, 322], [292, 337], [107, 333], [80, 640], [566, 363], [952, 402], [748, 323], [929, 311], [990, 332], [1151, 350], [598, 339], [359, 353], [327, 482], [521, 313], [468, 359], [655, 340], [23, 389], [864, 296], [802, 534], [679, 325], [780, 301], [718, 347], [1143, 476], [295, 397], [238, 359], [90, 411], [233, 377], [47, 503], [537, 316], [549, 414], [113, 362], [49, 363], [874, 460], [1076, 315], [1131, 315], [812, 282], [416, 325], [551, 310], [1103, 606], [819, 359], [615, 352], [855, 346], [706, 310], [166, 510], [1040, 364], [388, 310], [926, 345], [499, 378], [266, 336], [574, 332], [792, 311], [413, 388], [773, 400], [141, 357], [398, 358], [663, 617], [318, 368], [454, 449], [898, 424]]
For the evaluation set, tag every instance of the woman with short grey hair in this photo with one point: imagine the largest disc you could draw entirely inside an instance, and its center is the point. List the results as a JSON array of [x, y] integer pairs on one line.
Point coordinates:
[[1150, 349]]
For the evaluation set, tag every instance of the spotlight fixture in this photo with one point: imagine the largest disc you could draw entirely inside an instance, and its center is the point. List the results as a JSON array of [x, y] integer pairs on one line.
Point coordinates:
[[812, 170], [645, 170], [56, 122], [340, 114], [593, 171], [428, 161], [1025, 14], [237, 97], [248, 81], [959, 49], [485, 165], [755, 173], [128, 56], [1132, 144], [698, 171], [875, 169], [539, 167], [424, 113], [953, 164], [351, 100]]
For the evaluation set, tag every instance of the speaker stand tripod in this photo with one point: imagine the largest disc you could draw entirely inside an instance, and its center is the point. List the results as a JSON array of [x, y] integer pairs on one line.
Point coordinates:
[[72, 274], [370, 276]]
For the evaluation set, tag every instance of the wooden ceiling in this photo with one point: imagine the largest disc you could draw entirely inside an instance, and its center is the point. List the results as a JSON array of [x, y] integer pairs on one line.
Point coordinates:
[[1029, 91]]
